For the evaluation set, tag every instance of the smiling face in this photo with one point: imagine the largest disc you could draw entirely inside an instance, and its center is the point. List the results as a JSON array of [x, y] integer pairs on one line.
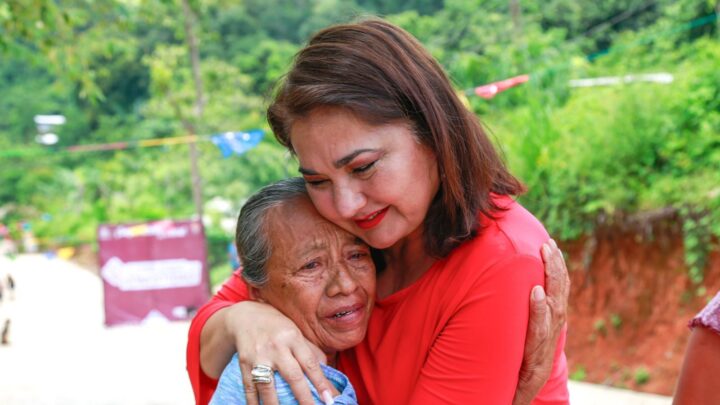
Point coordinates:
[[375, 181], [319, 276]]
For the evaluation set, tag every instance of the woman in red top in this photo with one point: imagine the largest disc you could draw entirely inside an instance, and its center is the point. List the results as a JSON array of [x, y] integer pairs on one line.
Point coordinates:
[[390, 154]]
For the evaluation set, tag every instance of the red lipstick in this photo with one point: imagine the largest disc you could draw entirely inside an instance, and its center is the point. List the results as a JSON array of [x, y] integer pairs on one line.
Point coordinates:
[[372, 220]]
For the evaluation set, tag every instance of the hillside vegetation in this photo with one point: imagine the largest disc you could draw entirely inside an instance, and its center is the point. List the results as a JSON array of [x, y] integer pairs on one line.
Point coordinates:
[[120, 70]]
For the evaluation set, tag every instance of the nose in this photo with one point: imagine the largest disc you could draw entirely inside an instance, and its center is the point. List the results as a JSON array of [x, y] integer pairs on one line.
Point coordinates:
[[348, 201], [342, 282]]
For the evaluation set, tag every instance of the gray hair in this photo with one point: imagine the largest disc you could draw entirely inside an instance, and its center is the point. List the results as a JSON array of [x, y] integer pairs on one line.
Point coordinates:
[[251, 235]]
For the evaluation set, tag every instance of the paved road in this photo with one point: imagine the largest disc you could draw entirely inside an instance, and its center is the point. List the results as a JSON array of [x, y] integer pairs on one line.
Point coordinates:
[[61, 353]]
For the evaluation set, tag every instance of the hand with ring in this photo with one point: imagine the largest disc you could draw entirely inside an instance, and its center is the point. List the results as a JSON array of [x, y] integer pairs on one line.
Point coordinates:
[[276, 345], [262, 374]]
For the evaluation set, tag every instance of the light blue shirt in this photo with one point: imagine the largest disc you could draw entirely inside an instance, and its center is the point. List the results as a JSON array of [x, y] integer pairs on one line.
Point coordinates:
[[230, 389]]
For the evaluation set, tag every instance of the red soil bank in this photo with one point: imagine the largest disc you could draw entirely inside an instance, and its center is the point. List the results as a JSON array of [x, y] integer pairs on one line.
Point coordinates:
[[630, 302]]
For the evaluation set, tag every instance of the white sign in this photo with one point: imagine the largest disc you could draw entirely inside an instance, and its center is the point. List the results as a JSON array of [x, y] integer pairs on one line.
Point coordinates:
[[662, 78], [47, 139], [152, 274], [50, 119]]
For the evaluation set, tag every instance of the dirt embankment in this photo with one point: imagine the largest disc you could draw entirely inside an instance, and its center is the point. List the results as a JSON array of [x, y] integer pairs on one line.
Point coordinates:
[[630, 302]]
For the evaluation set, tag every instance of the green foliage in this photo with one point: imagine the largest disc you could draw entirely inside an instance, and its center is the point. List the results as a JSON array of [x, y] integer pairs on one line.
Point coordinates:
[[616, 321], [600, 327], [217, 244], [120, 71], [579, 374], [641, 376], [604, 153], [219, 273], [697, 242]]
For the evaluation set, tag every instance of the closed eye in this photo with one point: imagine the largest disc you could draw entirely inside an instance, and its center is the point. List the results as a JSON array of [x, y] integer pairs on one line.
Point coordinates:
[[358, 255], [310, 265], [364, 168], [315, 182]]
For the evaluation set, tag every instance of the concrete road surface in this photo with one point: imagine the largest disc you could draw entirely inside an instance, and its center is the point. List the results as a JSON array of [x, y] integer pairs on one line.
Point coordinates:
[[61, 353]]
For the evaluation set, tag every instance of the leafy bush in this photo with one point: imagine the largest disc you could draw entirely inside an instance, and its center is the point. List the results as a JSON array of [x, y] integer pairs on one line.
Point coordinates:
[[642, 376], [579, 374], [590, 157]]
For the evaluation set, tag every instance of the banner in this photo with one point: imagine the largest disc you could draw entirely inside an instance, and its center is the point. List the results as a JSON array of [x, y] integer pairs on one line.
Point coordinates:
[[152, 271]]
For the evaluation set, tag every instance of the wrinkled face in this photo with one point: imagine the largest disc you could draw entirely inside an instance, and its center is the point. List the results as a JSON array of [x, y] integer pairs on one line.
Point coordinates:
[[375, 181], [319, 276]]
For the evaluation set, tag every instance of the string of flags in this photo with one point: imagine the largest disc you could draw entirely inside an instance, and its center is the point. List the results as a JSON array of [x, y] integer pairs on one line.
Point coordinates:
[[237, 142], [228, 143], [490, 90]]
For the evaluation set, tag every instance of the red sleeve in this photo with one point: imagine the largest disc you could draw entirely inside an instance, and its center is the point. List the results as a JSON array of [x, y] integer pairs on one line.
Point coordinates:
[[477, 356], [234, 290]]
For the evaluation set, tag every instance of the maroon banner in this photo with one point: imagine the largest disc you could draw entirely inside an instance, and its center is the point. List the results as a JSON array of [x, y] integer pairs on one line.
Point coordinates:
[[152, 271]]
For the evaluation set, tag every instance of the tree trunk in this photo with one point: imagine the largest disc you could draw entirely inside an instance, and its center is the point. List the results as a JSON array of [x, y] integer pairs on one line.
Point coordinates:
[[192, 44]]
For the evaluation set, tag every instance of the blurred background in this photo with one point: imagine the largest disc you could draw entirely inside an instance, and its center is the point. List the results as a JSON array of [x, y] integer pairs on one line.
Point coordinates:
[[144, 111]]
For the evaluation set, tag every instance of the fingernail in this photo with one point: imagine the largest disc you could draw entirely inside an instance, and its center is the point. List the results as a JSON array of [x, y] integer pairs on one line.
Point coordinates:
[[552, 242], [327, 397], [546, 249], [538, 294]]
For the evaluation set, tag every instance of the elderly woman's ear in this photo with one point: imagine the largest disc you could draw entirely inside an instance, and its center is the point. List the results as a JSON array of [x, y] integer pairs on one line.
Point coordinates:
[[255, 294]]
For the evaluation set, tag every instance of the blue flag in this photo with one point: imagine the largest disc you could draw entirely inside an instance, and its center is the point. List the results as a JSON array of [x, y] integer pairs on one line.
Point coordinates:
[[237, 142]]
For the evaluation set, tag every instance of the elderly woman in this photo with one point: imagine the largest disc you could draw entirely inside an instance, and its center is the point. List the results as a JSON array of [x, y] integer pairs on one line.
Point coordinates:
[[320, 276]]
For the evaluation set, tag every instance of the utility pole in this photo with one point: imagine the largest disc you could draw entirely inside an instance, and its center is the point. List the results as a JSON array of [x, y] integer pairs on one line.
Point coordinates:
[[519, 39], [717, 18], [516, 15], [192, 43]]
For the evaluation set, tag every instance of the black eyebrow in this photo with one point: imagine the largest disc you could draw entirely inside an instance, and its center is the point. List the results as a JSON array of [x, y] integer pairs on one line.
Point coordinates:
[[307, 172], [338, 163]]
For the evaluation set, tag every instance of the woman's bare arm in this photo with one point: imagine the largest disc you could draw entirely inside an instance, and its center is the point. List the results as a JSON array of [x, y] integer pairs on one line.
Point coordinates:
[[698, 381], [217, 345]]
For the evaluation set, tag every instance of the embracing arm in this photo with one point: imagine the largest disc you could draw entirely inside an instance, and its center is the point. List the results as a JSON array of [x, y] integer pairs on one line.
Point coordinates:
[[546, 332], [207, 332]]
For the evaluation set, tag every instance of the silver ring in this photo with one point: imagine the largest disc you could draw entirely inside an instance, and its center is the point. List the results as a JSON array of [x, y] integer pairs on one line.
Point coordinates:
[[261, 374], [262, 380]]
